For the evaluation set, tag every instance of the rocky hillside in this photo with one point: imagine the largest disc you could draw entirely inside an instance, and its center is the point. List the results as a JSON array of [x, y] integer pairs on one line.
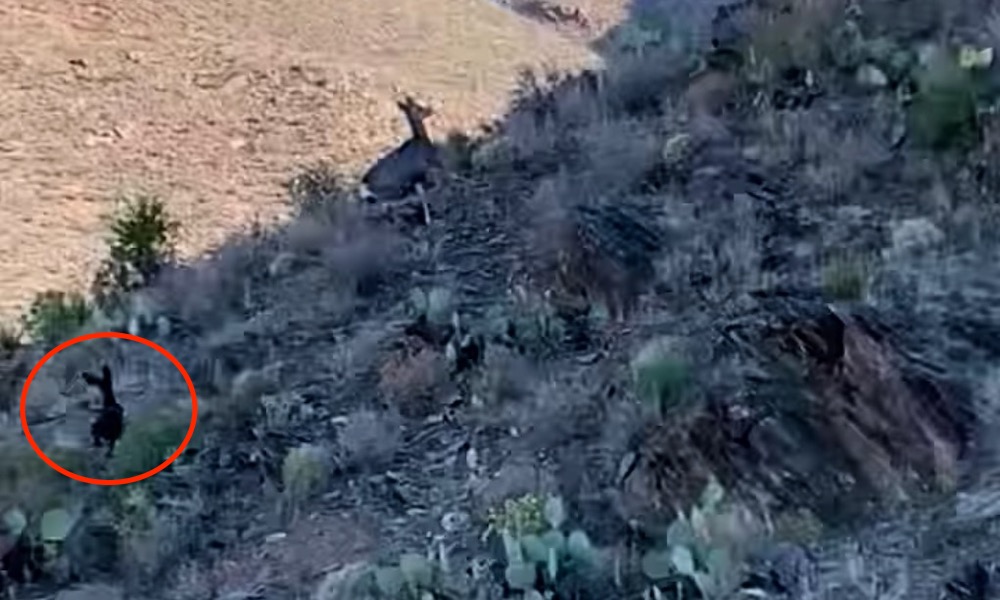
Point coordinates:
[[710, 323]]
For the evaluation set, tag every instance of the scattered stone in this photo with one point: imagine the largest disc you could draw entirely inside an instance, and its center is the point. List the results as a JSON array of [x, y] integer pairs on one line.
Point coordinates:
[[454, 522], [676, 149], [275, 537], [871, 76]]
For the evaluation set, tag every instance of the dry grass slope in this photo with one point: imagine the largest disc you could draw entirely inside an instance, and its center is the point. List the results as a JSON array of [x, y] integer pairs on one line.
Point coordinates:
[[213, 106]]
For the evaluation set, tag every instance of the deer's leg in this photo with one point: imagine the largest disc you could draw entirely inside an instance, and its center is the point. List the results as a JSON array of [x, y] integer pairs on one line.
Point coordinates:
[[423, 203]]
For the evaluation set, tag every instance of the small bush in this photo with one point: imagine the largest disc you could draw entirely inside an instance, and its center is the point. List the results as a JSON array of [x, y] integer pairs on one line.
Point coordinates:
[[147, 442], [55, 316], [370, 438], [943, 113], [23, 481], [304, 472], [315, 189], [143, 239], [799, 37], [10, 339], [412, 379], [661, 376], [845, 279]]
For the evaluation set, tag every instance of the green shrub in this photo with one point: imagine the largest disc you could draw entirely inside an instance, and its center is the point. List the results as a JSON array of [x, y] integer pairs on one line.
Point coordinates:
[[304, 472], [143, 239], [55, 316], [661, 376], [147, 442], [845, 279], [943, 113]]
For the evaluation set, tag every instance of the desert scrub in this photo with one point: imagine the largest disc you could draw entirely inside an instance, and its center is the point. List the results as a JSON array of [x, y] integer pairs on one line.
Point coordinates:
[[943, 112], [661, 375], [10, 339], [147, 441], [26, 481], [304, 472], [55, 316], [315, 189], [796, 38], [143, 239], [522, 516], [845, 279]]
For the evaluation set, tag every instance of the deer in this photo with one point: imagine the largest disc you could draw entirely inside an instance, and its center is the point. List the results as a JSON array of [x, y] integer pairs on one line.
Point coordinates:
[[408, 168], [110, 422]]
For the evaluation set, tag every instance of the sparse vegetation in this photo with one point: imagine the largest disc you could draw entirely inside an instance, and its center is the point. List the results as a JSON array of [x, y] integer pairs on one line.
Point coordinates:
[[636, 248], [944, 113], [845, 279], [304, 471], [10, 338], [661, 376], [143, 239], [148, 440], [55, 316]]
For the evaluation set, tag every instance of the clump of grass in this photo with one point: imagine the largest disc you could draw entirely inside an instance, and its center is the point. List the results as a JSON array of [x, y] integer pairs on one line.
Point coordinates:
[[143, 239], [943, 114], [304, 472], [10, 339], [315, 189], [845, 279], [661, 375], [55, 316], [370, 438]]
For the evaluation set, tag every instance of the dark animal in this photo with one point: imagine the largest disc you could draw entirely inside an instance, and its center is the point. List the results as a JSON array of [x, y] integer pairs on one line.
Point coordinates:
[[110, 423], [410, 167]]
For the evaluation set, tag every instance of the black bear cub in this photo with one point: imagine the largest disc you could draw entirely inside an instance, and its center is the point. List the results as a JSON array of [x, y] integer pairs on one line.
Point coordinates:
[[110, 423]]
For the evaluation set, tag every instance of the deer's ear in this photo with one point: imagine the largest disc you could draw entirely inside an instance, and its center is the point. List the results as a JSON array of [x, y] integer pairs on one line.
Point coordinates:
[[107, 373]]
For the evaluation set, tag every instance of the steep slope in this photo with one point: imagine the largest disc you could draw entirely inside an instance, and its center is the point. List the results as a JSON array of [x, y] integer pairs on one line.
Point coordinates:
[[213, 105]]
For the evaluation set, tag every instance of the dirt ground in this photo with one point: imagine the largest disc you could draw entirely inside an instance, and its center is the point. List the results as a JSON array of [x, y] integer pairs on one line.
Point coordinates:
[[212, 106]]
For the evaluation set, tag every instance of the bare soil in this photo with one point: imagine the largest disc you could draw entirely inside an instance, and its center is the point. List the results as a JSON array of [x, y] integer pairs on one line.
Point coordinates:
[[212, 106]]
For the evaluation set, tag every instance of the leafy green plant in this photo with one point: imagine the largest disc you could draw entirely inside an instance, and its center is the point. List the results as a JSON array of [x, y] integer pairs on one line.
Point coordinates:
[[143, 239], [54, 316], [548, 557], [707, 546]]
